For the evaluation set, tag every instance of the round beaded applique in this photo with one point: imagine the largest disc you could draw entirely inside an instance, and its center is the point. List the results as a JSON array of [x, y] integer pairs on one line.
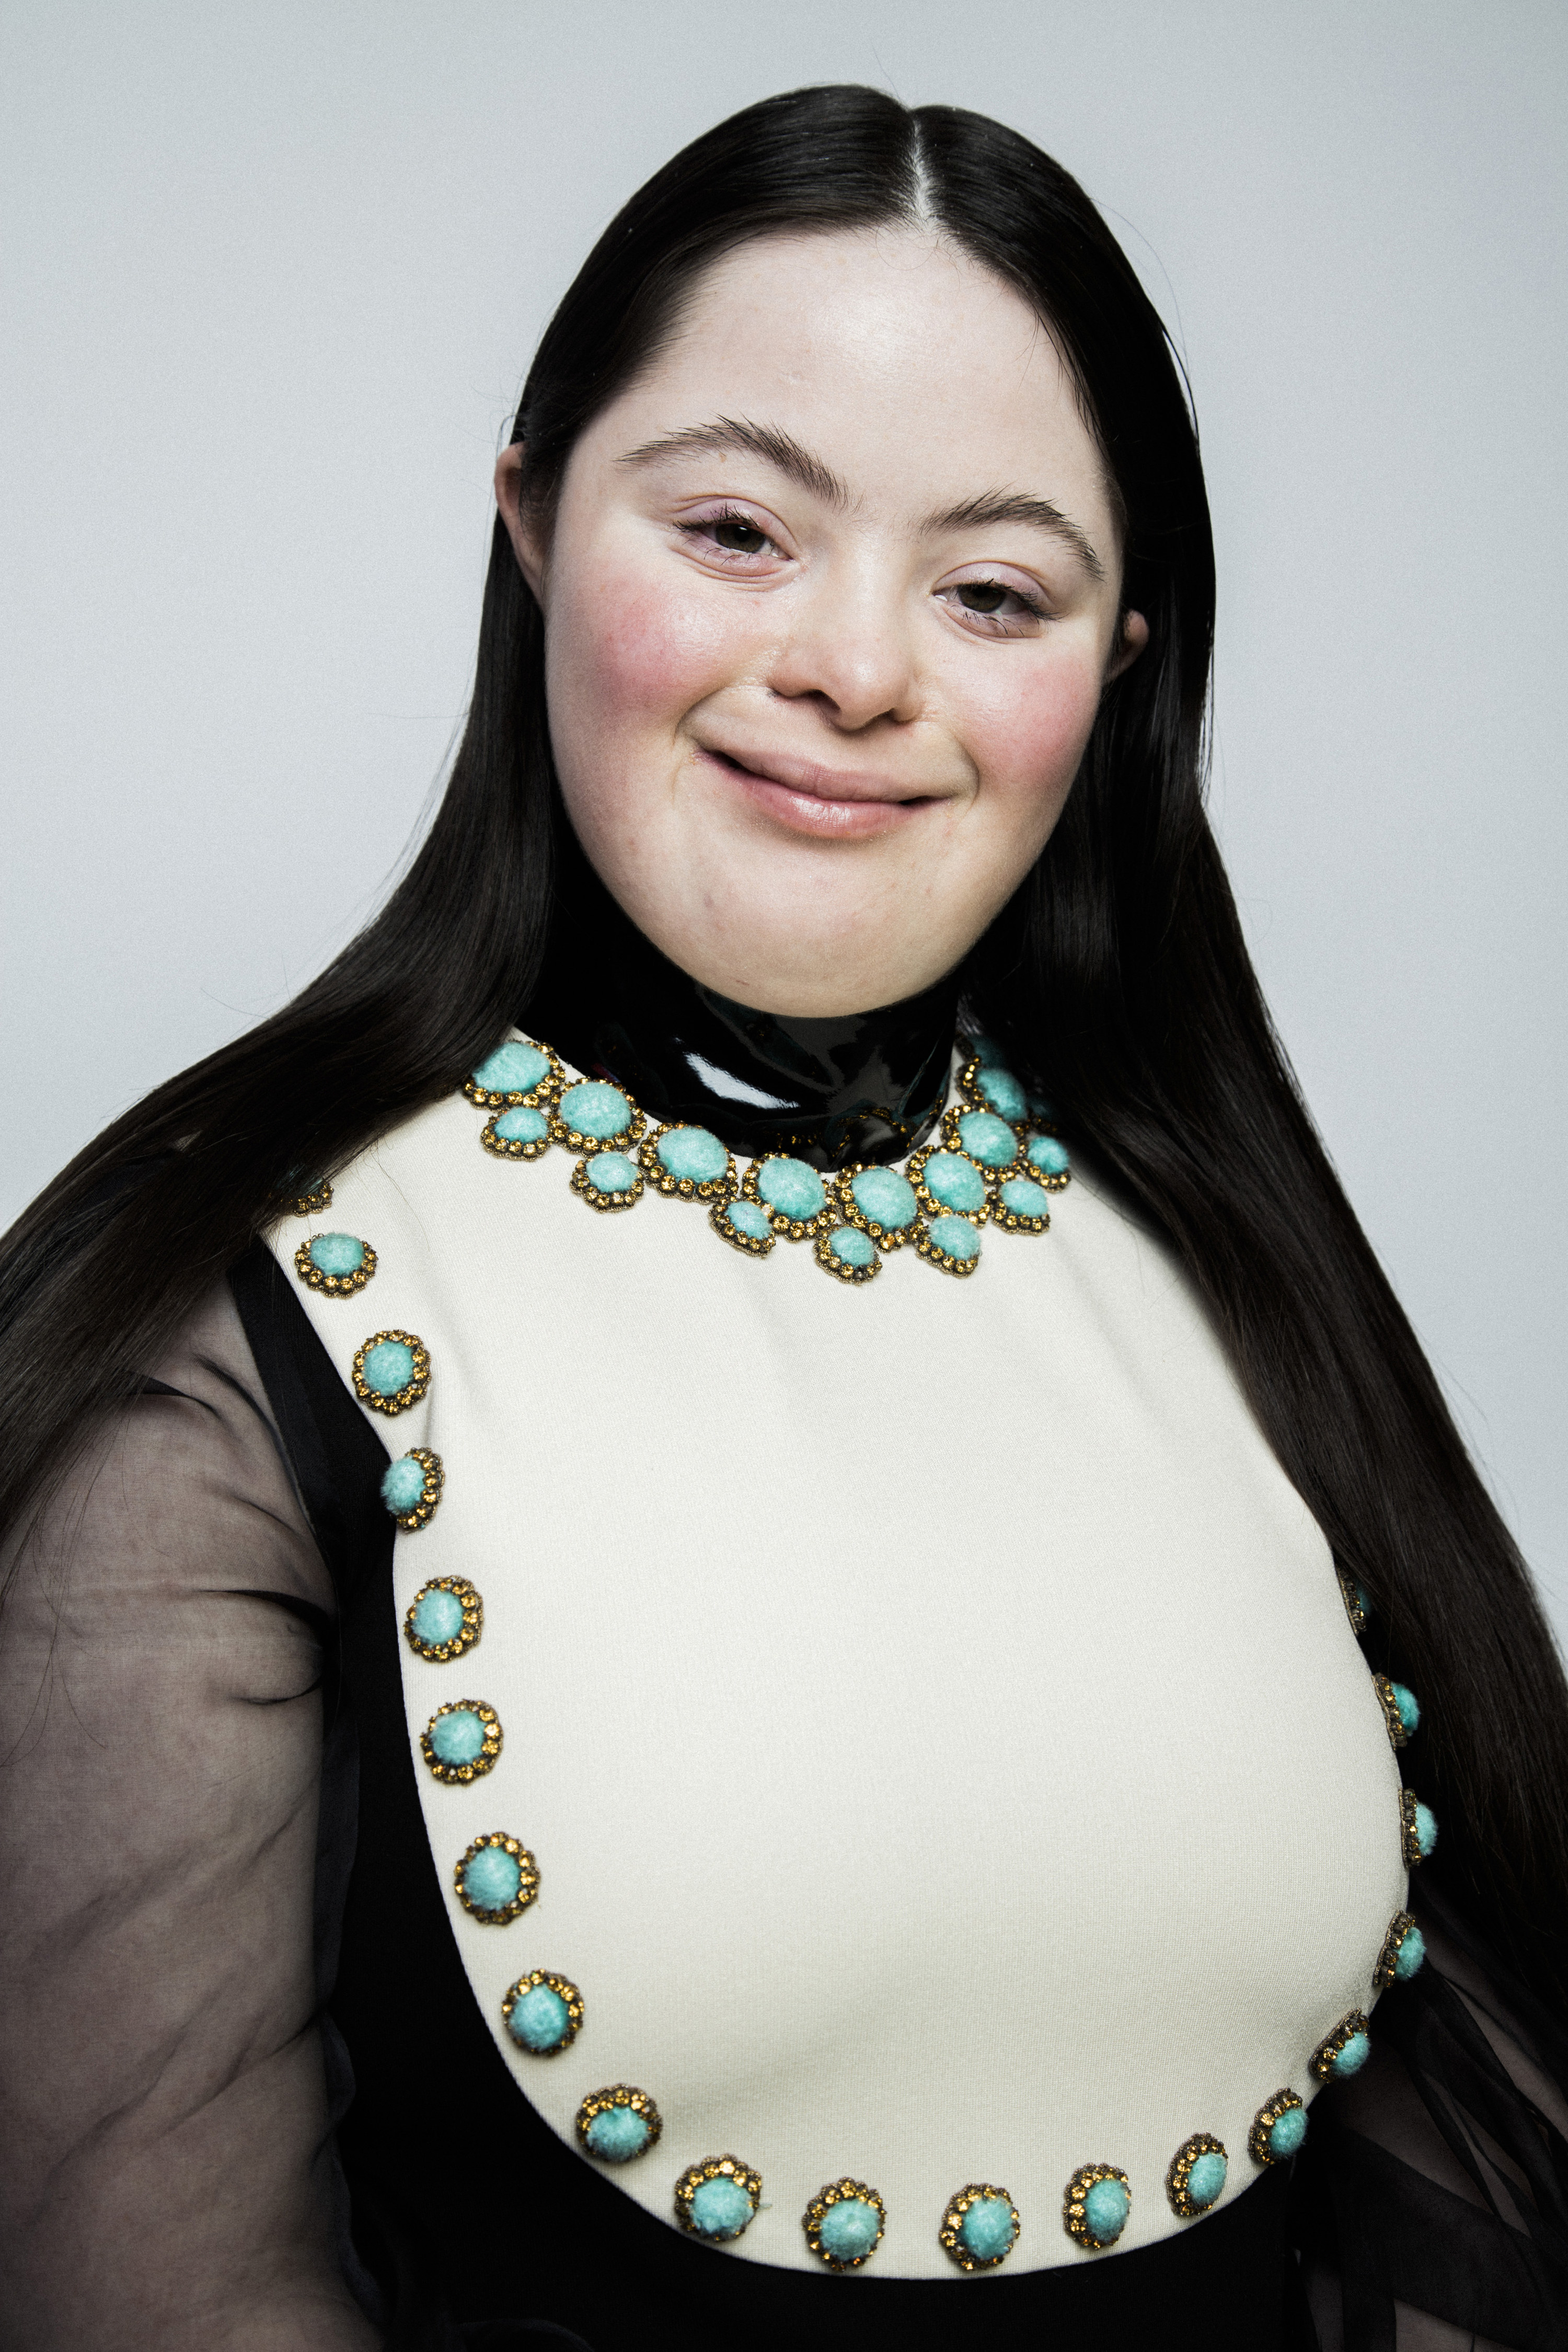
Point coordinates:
[[542, 2013], [982, 1137], [1344, 2052], [411, 1487], [608, 1181], [1196, 2176], [1095, 2208], [618, 2124], [744, 1224], [844, 2224], [496, 1879], [688, 1163], [1048, 1163], [1278, 2129], [949, 1181], [1358, 1607], [461, 1741], [591, 1116], [335, 1264], [1401, 1712], [950, 1243], [1022, 1206], [519, 1071], [520, 1133], [313, 1202], [848, 1253], [1418, 1828], [719, 2198], [391, 1371], [880, 1201], [444, 1619], [980, 2227], [1404, 1950], [794, 1195]]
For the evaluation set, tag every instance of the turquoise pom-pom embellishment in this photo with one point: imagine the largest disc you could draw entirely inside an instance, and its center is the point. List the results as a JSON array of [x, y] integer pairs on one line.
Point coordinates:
[[1196, 2176], [520, 1133], [618, 2124], [1022, 1206], [542, 2013], [987, 1138], [1404, 1699], [980, 2227], [884, 1199], [748, 1219], [692, 1155], [719, 2198], [594, 1112], [514, 1068], [1345, 2051], [744, 1224], [848, 1253], [999, 1091], [444, 1619], [954, 1182], [461, 1740], [496, 1879], [337, 1264], [458, 1737], [404, 1484], [844, 2224], [790, 1188], [1047, 1156], [1401, 1714], [950, 1243], [1404, 1950], [1095, 2208], [609, 1180], [391, 1371], [411, 1488], [1278, 2129]]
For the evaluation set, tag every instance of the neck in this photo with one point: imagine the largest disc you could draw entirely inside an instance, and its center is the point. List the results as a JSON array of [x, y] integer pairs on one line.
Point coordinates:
[[852, 1086]]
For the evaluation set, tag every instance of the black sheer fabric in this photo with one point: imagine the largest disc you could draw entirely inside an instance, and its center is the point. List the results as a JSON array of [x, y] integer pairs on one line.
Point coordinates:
[[250, 2098]]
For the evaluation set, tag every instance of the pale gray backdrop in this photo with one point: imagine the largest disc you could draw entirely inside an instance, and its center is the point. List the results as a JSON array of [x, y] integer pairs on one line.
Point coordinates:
[[271, 276]]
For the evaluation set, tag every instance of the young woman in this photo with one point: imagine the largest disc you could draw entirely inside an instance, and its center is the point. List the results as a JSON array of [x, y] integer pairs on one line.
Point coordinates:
[[736, 1613]]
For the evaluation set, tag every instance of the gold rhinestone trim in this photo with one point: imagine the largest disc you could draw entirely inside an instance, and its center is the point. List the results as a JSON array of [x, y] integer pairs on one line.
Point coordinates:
[[312, 1203], [1178, 2177], [539, 1098], [1397, 1735], [1263, 2123], [459, 1775], [685, 1188], [979, 2192], [822, 2204], [1010, 1221], [1354, 1609], [568, 1993], [1075, 2221], [1399, 1927], [1321, 2061], [473, 1624], [915, 1170], [590, 1193], [334, 1286], [604, 2103], [528, 1886], [753, 1244], [1409, 1835], [886, 1237], [822, 1252], [401, 1398], [424, 1510], [932, 1250], [716, 2167]]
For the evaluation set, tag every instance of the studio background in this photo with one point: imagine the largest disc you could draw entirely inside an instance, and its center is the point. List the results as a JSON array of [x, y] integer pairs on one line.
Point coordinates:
[[271, 277]]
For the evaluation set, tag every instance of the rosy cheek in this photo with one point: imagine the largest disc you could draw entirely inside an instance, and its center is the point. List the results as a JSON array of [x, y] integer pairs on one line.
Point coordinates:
[[1028, 737], [626, 651]]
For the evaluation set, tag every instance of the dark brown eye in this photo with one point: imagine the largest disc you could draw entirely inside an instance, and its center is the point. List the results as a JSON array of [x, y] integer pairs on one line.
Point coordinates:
[[982, 596], [740, 537]]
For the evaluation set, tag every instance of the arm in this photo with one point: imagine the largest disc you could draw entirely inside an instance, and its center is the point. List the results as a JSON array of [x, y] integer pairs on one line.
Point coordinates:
[[166, 2171]]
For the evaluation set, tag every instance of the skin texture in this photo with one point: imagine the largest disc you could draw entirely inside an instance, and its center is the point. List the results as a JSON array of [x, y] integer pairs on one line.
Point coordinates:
[[819, 688]]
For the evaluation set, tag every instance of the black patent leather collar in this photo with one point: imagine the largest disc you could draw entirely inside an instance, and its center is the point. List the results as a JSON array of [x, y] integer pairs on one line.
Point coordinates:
[[858, 1087]]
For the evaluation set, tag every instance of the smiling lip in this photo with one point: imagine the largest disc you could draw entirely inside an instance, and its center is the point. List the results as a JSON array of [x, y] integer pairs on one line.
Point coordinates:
[[834, 803]]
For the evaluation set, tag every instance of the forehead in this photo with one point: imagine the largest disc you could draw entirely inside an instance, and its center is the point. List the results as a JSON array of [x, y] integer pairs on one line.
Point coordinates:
[[919, 376]]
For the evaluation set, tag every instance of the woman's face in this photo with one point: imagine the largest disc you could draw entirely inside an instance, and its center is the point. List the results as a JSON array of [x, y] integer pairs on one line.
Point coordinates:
[[830, 601]]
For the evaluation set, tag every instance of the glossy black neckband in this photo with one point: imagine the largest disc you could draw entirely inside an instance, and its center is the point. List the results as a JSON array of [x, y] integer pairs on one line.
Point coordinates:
[[858, 1086]]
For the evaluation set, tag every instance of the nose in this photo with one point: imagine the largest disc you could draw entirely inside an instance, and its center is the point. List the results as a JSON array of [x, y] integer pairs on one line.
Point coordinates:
[[849, 646]]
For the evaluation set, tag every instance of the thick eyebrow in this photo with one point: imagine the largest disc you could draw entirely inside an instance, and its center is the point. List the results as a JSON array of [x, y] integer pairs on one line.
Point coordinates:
[[1014, 505], [764, 441]]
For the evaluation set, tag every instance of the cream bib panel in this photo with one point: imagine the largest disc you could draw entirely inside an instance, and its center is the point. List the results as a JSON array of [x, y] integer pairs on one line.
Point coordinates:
[[931, 1710]]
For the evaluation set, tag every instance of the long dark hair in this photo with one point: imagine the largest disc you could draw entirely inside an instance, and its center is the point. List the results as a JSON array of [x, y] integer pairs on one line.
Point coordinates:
[[1118, 974]]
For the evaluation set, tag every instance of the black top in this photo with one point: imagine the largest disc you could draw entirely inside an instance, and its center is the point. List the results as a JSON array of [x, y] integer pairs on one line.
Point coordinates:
[[472, 2223]]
